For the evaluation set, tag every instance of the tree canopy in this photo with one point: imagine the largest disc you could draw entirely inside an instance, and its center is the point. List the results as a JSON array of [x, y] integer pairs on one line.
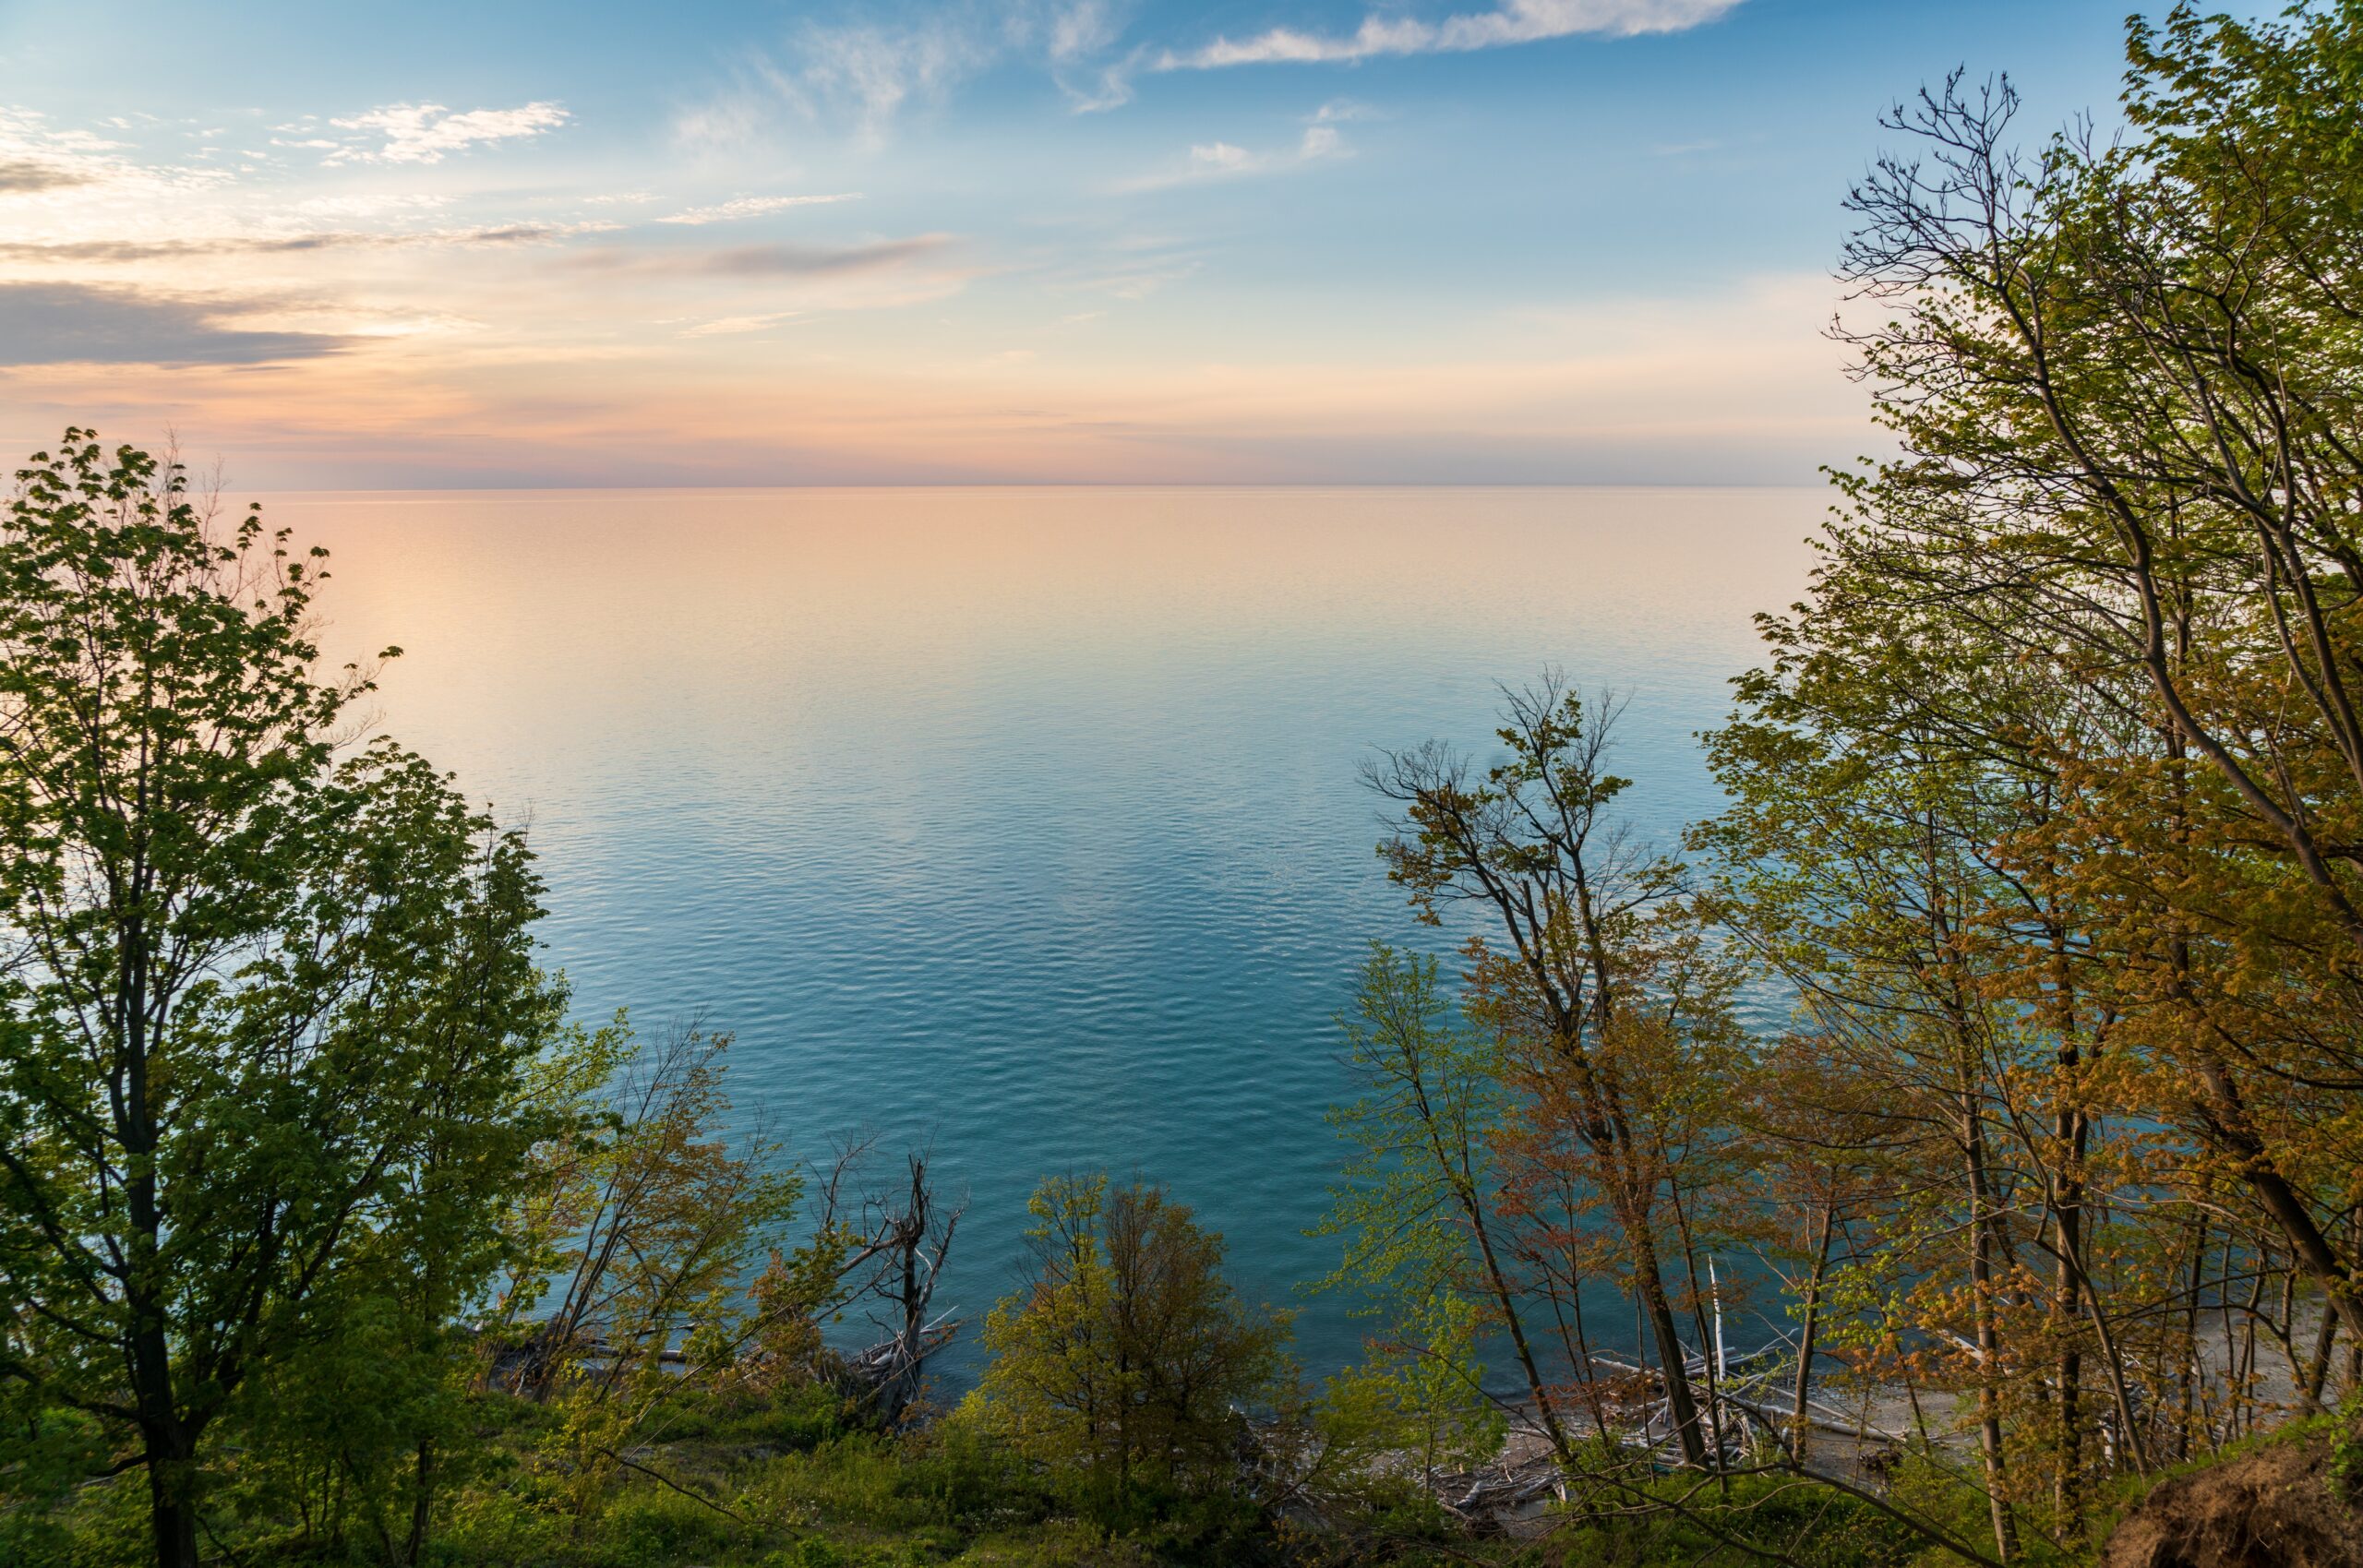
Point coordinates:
[[265, 1010]]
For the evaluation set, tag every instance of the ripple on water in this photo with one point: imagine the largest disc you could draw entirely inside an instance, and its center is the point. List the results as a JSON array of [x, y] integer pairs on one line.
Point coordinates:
[[1024, 823]]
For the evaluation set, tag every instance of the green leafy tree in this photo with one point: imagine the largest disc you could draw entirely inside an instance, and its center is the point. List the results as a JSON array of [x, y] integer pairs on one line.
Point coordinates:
[[375, 1423], [2127, 382], [262, 1014], [1419, 1391], [1129, 1357], [632, 1248], [2049, 801], [1416, 1218]]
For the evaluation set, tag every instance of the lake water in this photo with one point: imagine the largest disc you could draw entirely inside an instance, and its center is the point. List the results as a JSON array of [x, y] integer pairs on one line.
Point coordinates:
[[1024, 823]]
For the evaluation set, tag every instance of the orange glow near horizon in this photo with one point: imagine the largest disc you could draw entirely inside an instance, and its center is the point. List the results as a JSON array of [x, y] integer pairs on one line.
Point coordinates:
[[1648, 380]]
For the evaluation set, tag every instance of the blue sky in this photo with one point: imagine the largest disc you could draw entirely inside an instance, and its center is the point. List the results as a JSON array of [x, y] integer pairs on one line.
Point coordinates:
[[1260, 240]]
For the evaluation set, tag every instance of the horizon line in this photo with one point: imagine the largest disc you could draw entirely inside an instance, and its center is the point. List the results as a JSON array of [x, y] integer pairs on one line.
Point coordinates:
[[1308, 484]]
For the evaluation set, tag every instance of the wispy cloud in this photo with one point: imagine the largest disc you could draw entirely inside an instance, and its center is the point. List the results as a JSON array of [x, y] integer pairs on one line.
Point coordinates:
[[866, 73], [1133, 284], [731, 326], [62, 165], [19, 175], [754, 207], [362, 206], [29, 131], [426, 133], [1083, 30], [767, 260], [1224, 161], [861, 73], [727, 117], [80, 323], [1126, 267], [80, 252], [1517, 21], [1081, 37], [872, 71]]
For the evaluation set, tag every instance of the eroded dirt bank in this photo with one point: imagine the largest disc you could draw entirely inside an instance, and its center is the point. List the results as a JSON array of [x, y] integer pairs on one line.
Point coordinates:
[[2291, 1504]]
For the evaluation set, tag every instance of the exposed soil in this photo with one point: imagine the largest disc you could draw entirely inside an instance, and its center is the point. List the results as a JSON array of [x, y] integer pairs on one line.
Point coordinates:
[[2282, 1506]]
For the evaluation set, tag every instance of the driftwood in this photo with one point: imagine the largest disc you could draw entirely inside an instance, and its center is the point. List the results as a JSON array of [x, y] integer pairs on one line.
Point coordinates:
[[1480, 1495], [887, 1373], [897, 1256], [916, 1240]]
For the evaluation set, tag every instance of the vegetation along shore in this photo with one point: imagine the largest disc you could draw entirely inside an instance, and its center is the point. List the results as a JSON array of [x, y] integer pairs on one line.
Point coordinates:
[[330, 1235]]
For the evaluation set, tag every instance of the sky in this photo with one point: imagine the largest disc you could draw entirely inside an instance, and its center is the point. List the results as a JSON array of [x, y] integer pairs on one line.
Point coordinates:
[[717, 241]]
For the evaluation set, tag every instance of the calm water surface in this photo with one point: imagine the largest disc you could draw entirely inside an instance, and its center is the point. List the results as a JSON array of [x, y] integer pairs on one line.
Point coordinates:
[[1024, 823]]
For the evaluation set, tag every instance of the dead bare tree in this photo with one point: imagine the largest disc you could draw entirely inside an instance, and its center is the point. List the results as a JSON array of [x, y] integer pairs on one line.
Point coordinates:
[[912, 1241]]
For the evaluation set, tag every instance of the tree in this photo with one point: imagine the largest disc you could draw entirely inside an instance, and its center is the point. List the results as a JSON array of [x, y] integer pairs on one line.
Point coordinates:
[[1537, 847], [1416, 1215], [263, 1014], [2048, 801], [2128, 382], [647, 1222], [1128, 1357], [1856, 861]]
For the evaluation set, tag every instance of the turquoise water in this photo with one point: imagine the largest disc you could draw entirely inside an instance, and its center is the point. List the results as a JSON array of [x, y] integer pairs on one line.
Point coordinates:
[[1024, 824]]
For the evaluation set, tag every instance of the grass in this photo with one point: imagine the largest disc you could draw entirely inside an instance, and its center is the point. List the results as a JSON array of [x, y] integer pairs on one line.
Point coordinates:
[[788, 1481]]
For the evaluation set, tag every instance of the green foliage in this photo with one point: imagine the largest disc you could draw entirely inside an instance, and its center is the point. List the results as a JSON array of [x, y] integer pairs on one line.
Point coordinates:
[[951, 1494], [2048, 805], [1618, 1045], [1417, 1133], [1415, 1178], [1674, 1520], [1129, 1363], [2047, 799], [264, 1015], [654, 1222], [44, 1455], [1422, 1390]]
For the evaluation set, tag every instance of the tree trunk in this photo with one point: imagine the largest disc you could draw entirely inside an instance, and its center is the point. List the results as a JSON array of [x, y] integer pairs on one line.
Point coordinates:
[[1499, 1283], [1659, 1309], [2187, 1379], [1455, 1164], [422, 1502], [1799, 1427], [170, 1442], [2317, 1367], [2227, 1122], [171, 1503], [2070, 1375], [1989, 1343], [2071, 1134], [170, 1445]]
